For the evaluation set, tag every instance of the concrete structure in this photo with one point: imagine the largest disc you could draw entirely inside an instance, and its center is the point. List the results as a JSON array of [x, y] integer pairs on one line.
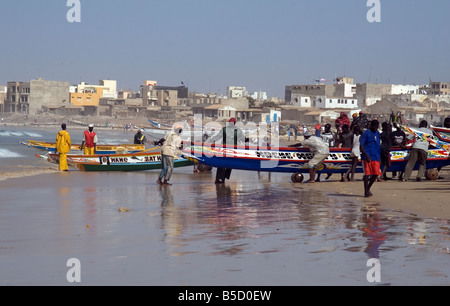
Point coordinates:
[[439, 88], [17, 98], [30, 97], [302, 101], [259, 96], [303, 95], [90, 96], [3, 91], [151, 96], [108, 88], [343, 103], [155, 95], [405, 89], [48, 94], [236, 92], [368, 93]]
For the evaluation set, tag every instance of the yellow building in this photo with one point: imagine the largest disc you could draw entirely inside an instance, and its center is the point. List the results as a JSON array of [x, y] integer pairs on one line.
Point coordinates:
[[89, 97]]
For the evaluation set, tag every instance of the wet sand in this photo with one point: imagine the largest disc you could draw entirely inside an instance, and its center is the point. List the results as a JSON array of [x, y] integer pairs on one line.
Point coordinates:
[[426, 199]]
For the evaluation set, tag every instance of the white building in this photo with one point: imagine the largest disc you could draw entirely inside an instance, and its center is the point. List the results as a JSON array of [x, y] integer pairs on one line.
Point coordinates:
[[323, 102], [236, 92], [405, 89], [302, 101], [109, 88], [259, 96]]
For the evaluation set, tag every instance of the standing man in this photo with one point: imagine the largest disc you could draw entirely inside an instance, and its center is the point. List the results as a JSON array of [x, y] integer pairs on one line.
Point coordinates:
[[140, 138], [89, 143], [63, 144], [172, 142], [320, 151], [371, 155], [231, 136], [419, 151]]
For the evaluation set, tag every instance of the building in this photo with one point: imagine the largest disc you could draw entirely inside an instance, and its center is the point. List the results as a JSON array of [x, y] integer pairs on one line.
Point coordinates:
[[17, 97], [259, 96], [300, 100], [439, 88], [89, 96], [304, 95], [342, 103], [3, 92], [31, 97], [368, 93], [155, 95], [108, 88], [236, 92]]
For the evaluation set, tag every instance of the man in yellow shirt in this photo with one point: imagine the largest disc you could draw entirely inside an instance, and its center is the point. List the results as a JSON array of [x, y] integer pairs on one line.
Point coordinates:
[[63, 144]]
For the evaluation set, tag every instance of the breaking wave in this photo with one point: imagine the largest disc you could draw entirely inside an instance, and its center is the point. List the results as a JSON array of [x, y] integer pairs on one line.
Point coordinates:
[[5, 153]]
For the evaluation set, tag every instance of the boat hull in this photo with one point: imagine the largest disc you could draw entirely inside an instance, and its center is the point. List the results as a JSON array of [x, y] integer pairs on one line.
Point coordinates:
[[101, 149], [295, 160], [117, 162]]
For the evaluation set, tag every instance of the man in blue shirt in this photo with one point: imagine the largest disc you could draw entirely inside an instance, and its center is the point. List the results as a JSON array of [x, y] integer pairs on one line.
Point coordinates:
[[371, 155]]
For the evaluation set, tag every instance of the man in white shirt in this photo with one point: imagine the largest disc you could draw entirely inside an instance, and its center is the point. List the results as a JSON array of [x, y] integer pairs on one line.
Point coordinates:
[[320, 150], [419, 152], [172, 143]]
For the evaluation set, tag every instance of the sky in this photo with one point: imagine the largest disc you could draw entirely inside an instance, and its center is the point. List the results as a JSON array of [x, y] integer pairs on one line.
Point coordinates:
[[211, 44]]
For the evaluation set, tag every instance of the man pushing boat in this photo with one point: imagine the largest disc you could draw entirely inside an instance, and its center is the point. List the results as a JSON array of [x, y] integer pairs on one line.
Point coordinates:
[[318, 148]]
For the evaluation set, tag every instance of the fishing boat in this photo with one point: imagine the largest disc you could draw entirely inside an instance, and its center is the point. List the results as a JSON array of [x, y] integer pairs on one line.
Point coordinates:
[[146, 160], [295, 160], [442, 133], [101, 149]]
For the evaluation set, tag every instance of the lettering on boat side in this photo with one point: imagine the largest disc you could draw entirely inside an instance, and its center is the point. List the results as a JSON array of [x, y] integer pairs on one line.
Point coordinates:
[[143, 159], [300, 156], [74, 273]]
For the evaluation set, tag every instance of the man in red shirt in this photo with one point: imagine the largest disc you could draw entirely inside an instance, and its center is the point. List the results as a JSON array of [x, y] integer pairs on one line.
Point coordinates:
[[89, 142]]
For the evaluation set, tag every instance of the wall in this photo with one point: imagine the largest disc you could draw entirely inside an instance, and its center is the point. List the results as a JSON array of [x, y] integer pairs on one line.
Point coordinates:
[[44, 92]]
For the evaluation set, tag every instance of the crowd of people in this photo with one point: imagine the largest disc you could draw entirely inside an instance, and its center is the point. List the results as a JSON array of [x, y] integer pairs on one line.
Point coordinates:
[[360, 135], [370, 145]]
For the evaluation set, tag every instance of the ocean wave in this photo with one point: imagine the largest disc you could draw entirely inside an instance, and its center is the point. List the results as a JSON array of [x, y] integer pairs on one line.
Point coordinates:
[[4, 175], [35, 135], [5, 153], [8, 133]]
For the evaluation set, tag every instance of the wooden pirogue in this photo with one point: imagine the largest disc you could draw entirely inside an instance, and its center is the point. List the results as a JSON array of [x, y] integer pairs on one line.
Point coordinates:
[[145, 160], [101, 149]]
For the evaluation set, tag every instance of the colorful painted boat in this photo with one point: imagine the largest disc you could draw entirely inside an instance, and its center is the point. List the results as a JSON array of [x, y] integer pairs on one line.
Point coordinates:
[[442, 133], [101, 149], [294, 160], [116, 162], [434, 140]]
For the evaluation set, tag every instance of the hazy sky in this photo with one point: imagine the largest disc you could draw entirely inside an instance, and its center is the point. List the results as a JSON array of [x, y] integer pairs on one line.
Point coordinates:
[[211, 44]]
